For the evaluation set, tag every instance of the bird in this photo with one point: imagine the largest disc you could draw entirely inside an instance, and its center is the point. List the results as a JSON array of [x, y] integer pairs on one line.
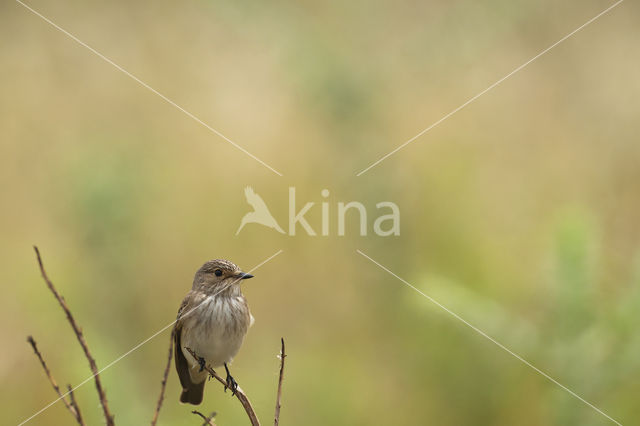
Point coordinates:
[[212, 321], [260, 213]]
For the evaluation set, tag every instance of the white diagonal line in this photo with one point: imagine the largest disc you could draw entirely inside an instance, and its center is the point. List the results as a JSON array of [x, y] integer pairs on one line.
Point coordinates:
[[145, 85], [489, 88], [136, 347], [500, 345]]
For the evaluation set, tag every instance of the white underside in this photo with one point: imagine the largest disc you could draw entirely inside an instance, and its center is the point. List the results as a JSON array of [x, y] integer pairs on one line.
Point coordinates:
[[214, 333]]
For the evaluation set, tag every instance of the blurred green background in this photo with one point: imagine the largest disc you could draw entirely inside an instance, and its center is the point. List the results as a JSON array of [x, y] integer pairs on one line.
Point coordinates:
[[519, 213]]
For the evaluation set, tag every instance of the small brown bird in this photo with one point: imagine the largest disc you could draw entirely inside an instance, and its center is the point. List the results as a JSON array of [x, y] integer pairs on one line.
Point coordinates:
[[212, 321]]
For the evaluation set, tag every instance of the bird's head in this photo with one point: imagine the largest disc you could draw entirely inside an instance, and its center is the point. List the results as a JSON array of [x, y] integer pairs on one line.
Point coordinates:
[[218, 275]]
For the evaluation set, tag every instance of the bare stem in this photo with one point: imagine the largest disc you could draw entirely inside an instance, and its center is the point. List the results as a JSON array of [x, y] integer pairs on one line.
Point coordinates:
[[76, 329], [164, 379], [276, 420], [71, 406], [239, 393], [207, 419], [75, 405]]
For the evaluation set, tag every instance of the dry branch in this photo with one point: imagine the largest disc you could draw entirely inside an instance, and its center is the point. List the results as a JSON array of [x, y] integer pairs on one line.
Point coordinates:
[[75, 405], [165, 376], [71, 406], [207, 419], [276, 420], [76, 329], [239, 393]]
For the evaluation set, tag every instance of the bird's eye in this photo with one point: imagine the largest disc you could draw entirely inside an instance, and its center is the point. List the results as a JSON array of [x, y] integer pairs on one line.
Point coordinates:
[[218, 272]]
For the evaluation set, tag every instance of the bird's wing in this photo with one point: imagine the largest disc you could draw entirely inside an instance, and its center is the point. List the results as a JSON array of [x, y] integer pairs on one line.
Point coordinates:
[[254, 200], [182, 366]]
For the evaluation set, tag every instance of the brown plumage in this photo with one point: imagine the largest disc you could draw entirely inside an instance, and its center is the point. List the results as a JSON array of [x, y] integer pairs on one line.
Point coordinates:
[[212, 321]]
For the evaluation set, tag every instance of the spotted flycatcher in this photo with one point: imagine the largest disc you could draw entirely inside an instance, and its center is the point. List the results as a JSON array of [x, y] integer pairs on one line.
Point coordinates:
[[212, 321]]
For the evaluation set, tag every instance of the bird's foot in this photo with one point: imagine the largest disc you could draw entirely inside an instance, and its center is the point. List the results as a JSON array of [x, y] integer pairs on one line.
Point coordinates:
[[202, 363], [231, 382]]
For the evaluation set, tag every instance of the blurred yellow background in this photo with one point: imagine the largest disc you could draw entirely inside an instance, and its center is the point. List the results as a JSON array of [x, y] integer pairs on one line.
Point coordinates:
[[519, 213]]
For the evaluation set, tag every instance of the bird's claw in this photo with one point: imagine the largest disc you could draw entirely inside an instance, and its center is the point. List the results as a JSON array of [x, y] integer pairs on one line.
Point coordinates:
[[230, 382], [202, 363]]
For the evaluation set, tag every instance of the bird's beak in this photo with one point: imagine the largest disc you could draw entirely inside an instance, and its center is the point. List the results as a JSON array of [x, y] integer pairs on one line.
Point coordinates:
[[243, 275]]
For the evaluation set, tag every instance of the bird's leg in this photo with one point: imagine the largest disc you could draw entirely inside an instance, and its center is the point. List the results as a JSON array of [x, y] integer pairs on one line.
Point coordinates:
[[231, 382], [202, 363]]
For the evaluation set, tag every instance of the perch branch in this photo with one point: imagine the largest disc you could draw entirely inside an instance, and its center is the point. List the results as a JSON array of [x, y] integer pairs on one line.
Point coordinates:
[[164, 379], [282, 356], [76, 329], [75, 405], [72, 407], [239, 392], [207, 420]]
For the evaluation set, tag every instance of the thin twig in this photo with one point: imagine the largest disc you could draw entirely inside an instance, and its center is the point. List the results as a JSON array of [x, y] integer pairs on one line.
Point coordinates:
[[276, 420], [70, 406], [239, 393], [75, 405], [76, 329], [207, 420], [164, 379]]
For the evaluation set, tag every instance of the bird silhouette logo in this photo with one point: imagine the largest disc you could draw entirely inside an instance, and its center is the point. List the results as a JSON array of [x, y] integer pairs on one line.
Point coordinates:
[[260, 213]]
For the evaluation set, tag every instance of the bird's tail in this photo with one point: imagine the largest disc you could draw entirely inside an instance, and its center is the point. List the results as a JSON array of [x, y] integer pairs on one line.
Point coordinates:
[[193, 394]]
